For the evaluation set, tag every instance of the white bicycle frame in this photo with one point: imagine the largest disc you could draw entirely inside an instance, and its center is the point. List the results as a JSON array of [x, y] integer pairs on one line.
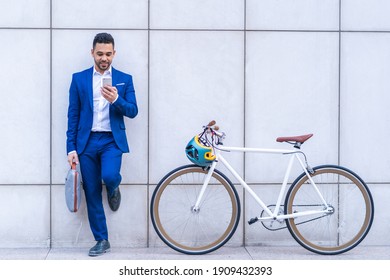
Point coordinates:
[[271, 215]]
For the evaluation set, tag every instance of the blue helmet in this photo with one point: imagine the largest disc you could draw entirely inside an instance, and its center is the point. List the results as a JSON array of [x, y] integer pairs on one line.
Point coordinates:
[[198, 153]]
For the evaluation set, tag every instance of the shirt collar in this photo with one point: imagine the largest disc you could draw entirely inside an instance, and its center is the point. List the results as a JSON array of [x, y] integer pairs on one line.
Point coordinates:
[[107, 72]]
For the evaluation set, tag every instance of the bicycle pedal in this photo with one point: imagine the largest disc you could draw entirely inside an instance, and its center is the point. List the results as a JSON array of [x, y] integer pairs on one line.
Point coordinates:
[[253, 220]]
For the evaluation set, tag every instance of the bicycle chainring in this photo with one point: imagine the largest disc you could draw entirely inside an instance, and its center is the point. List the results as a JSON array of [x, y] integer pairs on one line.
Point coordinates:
[[274, 225]]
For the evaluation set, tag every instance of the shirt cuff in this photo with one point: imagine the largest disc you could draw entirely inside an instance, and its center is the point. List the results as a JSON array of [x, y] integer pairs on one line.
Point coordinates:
[[115, 99]]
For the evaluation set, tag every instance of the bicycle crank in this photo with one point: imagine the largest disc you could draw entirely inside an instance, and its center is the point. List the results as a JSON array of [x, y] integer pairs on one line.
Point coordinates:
[[270, 224], [276, 224]]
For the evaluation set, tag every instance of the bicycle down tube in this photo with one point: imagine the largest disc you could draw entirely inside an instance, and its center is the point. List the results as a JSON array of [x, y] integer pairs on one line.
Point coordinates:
[[274, 215]]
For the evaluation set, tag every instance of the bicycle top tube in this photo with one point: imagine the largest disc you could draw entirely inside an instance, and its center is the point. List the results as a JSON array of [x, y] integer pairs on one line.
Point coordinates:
[[256, 150], [217, 137]]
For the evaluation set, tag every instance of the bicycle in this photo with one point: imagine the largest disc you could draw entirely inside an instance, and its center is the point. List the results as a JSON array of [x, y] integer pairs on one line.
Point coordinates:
[[195, 209]]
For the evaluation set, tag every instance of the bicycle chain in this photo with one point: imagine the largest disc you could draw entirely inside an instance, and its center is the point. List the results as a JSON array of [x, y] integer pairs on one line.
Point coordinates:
[[284, 221]]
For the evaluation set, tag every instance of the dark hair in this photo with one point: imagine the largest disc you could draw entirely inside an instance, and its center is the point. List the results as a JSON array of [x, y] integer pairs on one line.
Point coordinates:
[[103, 38]]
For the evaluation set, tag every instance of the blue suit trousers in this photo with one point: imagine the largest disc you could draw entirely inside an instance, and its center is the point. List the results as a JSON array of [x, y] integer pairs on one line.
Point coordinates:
[[99, 162]]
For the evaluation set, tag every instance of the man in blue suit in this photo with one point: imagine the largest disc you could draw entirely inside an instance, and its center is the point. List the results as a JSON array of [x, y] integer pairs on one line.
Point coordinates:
[[96, 135]]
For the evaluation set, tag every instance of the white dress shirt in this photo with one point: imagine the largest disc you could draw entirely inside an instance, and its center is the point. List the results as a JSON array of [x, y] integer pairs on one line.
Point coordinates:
[[101, 107]]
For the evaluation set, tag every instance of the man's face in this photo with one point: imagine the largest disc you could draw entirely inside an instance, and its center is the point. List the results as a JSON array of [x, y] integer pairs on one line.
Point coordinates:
[[103, 55]]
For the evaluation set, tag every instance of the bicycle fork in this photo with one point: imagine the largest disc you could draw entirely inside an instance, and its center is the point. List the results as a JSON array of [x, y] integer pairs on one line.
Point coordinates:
[[196, 208]]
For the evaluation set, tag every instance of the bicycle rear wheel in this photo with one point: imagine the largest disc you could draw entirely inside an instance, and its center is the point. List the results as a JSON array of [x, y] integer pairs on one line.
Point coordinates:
[[350, 218], [185, 229]]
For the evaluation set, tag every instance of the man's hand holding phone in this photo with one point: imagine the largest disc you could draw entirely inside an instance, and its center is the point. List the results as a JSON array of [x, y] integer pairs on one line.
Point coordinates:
[[109, 92]]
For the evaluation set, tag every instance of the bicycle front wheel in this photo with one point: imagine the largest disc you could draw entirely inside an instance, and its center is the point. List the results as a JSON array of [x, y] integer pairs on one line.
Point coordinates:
[[350, 215], [189, 230]]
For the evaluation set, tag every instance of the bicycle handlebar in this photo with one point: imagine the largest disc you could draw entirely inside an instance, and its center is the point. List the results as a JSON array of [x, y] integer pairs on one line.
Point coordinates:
[[214, 129]]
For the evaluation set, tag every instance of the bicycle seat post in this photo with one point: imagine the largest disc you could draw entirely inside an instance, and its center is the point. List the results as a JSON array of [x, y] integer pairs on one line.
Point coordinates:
[[298, 145]]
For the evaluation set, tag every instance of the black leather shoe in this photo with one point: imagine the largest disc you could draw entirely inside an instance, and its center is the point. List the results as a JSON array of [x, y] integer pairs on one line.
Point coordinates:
[[100, 248], [114, 200]]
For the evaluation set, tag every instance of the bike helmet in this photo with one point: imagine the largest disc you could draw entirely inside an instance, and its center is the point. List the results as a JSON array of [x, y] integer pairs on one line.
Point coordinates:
[[199, 153]]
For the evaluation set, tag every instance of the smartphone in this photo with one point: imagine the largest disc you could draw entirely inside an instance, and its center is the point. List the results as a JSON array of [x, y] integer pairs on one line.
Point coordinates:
[[106, 81]]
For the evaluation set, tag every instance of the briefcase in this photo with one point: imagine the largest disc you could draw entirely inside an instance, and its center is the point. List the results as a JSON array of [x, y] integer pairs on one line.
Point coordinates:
[[73, 184]]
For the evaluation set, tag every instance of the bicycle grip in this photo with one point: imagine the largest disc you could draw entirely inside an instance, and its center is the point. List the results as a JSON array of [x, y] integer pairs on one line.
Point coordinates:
[[211, 123]]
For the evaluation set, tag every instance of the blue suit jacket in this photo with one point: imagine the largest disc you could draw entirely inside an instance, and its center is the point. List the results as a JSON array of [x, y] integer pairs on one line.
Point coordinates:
[[80, 111]]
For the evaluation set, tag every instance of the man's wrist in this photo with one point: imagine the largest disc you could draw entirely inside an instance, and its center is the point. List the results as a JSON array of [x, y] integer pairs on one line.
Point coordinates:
[[115, 99]]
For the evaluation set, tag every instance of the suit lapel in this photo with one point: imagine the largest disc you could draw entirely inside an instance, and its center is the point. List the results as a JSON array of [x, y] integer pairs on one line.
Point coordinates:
[[114, 76], [89, 80]]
